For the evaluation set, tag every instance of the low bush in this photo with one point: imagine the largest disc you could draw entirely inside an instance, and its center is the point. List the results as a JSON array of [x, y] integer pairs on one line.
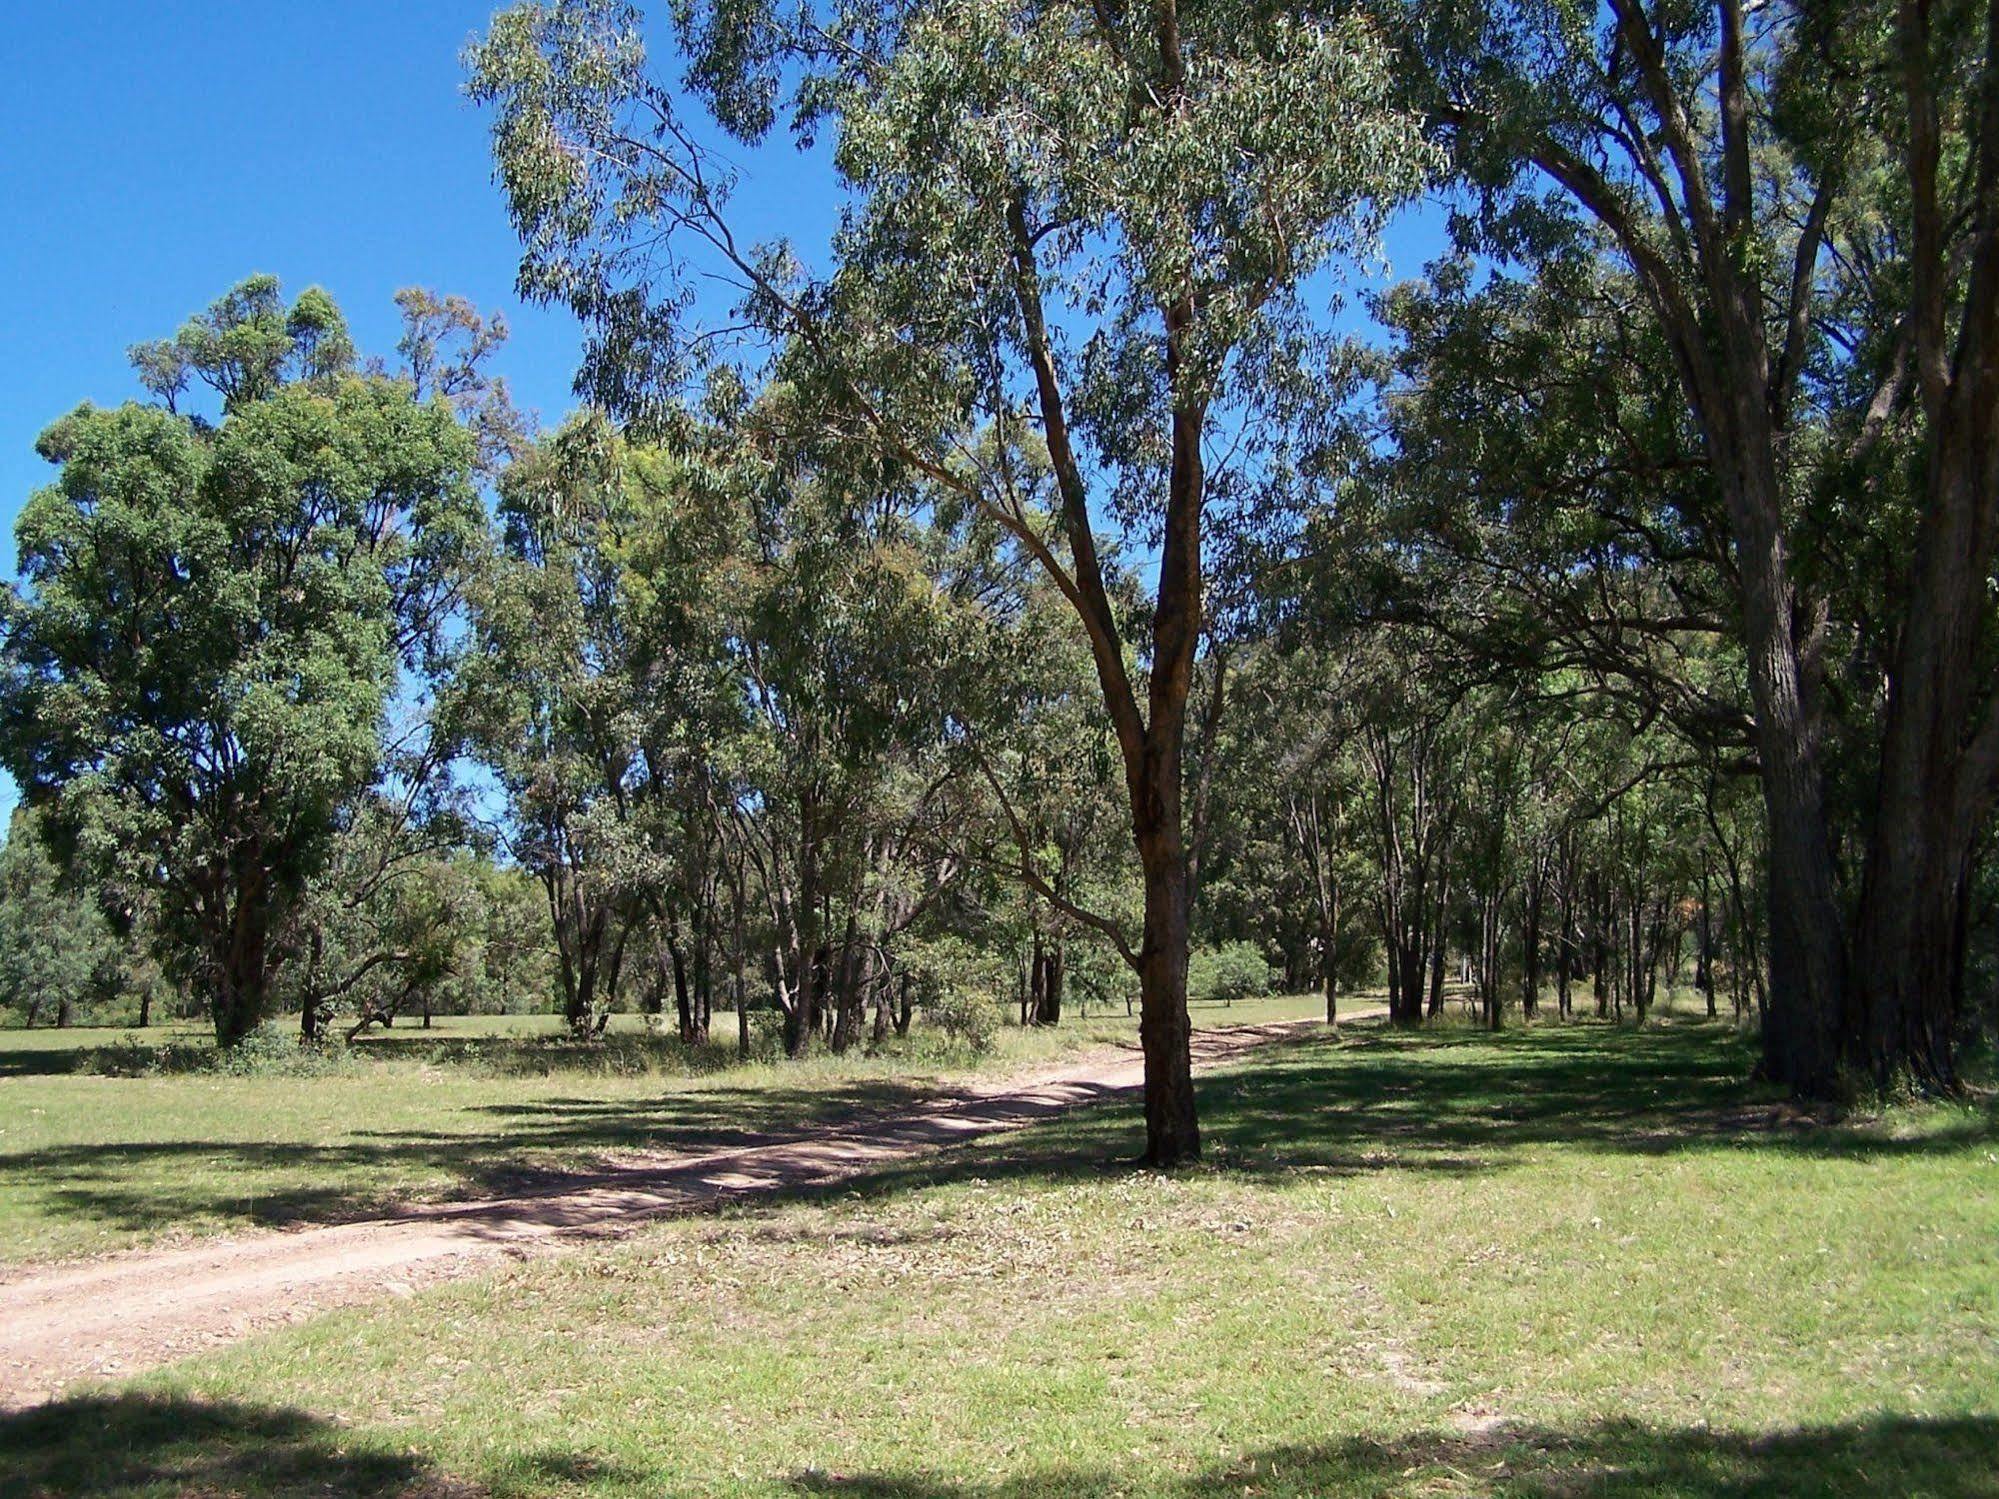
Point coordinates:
[[1235, 970]]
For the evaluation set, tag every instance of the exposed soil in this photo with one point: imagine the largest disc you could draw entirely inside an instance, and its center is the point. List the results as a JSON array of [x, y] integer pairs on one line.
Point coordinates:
[[133, 1312]]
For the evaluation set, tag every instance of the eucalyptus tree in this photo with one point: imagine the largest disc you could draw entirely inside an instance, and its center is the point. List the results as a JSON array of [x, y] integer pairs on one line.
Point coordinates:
[[838, 780], [1287, 862], [553, 702], [59, 956], [1091, 227], [214, 615], [1806, 201]]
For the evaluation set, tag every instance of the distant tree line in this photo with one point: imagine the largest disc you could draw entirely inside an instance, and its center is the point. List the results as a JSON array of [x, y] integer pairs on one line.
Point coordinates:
[[1043, 602]]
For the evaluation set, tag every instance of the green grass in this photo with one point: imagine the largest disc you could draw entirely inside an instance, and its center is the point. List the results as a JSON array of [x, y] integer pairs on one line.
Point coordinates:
[[92, 1161], [1559, 1262]]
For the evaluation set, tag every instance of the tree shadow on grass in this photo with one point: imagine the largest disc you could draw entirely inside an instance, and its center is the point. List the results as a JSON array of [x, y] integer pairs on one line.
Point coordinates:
[[1458, 1102], [133, 1445], [1888, 1456], [543, 1145], [1450, 1101]]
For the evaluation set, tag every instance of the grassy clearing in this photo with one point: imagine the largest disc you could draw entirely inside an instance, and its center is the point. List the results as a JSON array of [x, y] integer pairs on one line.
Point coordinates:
[[91, 1162], [1575, 1261]]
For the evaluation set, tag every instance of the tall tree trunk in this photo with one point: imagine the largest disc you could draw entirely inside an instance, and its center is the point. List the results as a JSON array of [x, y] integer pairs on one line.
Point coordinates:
[[241, 966], [1600, 950], [1439, 955], [682, 1002], [1939, 757], [1704, 965], [847, 999], [1172, 1133], [1329, 949], [885, 980], [1530, 983], [1048, 986]]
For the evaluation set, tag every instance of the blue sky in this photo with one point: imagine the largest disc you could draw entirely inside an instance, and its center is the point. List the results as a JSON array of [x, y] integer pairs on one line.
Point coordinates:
[[158, 152]]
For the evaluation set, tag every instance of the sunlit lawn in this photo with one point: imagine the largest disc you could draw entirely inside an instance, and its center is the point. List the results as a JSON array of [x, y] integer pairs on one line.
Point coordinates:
[[1571, 1261], [90, 1162]]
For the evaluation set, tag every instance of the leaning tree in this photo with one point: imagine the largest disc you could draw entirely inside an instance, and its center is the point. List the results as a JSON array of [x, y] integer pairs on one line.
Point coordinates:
[[1078, 261]]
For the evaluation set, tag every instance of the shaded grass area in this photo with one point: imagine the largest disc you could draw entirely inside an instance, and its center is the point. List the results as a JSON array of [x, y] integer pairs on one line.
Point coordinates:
[[146, 1445], [1561, 1262], [91, 1162], [143, 1446]]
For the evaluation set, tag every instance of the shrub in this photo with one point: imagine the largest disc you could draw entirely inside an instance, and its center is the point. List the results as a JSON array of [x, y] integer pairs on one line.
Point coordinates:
[[967, 1015], [1235, 970], [273, 1049]]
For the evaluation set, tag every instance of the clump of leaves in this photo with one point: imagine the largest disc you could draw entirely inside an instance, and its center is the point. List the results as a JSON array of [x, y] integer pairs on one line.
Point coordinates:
[[1235, 970]]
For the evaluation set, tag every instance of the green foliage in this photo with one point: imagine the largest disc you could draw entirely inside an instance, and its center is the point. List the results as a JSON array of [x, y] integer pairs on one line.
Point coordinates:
[[1233, 971], [213, 620], [60, 961], [273, 1049], [964, 988]]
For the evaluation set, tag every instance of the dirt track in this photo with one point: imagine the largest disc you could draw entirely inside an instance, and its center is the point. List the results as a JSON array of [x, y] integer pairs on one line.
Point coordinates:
[[118, 1316]]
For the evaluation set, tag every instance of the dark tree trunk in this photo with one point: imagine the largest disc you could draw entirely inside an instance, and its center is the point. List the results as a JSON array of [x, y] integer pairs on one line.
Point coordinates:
[[1704, 964], [1329, 948], [1048, 983], [242, 971], [1406, 999], [801, 1021], [682, 1003], [1439, 956], [1530, 981], [1172, 1133], [847, 1001]]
